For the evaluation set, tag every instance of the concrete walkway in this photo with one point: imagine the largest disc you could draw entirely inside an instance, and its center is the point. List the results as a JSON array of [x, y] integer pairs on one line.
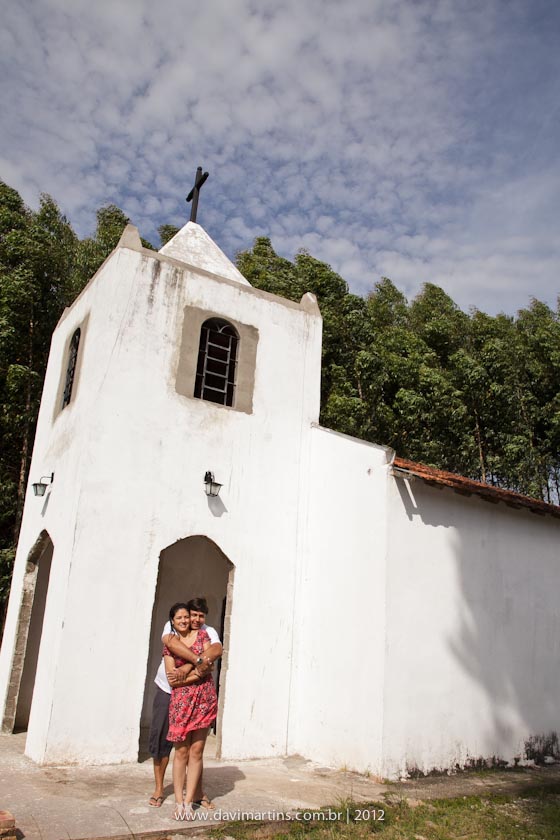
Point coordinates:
[[62, 803], [71, 803]]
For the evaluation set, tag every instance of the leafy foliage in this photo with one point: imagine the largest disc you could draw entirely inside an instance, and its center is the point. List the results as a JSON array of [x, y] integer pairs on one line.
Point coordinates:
[[167, 232], [470, 393]]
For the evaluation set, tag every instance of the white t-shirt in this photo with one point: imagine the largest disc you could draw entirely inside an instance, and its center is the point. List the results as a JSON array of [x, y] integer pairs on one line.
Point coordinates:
[[161, 677]]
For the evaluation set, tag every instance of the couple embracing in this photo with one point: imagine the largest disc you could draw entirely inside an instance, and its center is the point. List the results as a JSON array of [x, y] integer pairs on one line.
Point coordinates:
[[185, 705]]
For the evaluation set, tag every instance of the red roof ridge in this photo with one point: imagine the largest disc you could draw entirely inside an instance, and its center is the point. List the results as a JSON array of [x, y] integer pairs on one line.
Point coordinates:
[[466, 486]]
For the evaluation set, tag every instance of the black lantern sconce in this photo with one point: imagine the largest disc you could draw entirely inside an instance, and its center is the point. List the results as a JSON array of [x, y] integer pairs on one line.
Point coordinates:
[[39, 487], [212, 487]]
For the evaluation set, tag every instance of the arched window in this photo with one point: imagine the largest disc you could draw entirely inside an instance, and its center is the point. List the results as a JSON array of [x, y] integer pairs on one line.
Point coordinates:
[[71, 369], [217, 360]]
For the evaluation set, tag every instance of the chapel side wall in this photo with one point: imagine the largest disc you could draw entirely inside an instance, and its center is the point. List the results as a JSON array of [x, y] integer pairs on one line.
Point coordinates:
[[473, 629], [60, 447], [337, 705], [31, 527], [138, 489], [57, 438]]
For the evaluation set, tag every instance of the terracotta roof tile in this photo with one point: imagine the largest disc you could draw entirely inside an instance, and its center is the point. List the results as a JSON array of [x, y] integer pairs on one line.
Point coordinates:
[[467, 486]]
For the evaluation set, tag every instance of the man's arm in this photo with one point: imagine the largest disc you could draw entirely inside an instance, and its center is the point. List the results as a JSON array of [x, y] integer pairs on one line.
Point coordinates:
[[214, 652], [209, 656], [179, 648], [169, 665], [177, 676]]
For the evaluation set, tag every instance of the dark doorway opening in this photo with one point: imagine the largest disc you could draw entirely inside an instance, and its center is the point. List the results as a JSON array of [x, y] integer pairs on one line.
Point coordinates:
[[189, 568], [30, 628]]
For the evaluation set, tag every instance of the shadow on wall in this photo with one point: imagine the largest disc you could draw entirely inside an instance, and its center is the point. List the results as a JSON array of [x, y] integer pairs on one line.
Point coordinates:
[[506, 569], [216, 506], [429, 514]]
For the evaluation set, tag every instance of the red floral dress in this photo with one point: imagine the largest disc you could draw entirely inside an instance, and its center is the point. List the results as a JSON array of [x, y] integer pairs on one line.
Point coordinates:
[[192, 706]]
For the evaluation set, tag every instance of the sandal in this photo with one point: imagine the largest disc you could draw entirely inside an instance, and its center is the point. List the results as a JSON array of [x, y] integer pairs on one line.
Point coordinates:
[[205, 803], [156, 801], [188, 813]]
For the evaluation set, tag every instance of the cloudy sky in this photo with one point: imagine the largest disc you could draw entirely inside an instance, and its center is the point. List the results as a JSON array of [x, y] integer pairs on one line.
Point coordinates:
[[414, 139]]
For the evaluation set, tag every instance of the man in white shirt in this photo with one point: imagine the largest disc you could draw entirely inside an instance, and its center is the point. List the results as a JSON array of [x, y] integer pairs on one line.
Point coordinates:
[[160, 747]]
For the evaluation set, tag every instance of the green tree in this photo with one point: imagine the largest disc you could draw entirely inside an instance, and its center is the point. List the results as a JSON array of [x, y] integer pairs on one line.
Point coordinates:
[[166, 232], [386, 306], [474, 394], [39, 276], [436, 319]]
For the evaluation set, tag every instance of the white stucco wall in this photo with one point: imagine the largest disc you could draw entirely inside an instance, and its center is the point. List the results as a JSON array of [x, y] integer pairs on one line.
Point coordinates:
[[337, 693], [375, 624], [473, 632], [129, 456]]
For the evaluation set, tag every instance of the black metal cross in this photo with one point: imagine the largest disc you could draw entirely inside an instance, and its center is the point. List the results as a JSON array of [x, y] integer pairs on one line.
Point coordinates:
[[193, 195]]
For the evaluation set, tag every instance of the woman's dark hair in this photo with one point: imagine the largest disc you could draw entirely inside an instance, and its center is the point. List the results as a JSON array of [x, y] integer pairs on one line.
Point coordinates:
[[175, 609], [198, 605]]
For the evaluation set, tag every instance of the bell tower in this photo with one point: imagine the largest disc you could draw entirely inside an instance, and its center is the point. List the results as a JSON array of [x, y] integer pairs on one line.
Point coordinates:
[[168, 366]]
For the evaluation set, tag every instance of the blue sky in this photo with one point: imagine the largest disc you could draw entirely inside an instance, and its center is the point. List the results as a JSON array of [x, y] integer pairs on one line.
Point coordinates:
[[414, 139]]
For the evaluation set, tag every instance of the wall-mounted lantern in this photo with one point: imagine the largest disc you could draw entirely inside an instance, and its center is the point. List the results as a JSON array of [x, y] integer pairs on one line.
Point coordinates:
[[39, 487], [212, 487]]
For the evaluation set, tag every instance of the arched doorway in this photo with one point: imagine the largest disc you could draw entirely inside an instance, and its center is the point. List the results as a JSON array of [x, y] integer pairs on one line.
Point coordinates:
[[192, 567], [30, 628]]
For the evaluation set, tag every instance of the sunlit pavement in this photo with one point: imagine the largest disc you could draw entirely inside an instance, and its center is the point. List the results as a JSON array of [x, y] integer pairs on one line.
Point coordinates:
[[52, 803]]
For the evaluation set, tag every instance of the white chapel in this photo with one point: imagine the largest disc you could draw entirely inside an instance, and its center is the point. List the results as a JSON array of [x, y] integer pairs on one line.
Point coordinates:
[[375, 613]]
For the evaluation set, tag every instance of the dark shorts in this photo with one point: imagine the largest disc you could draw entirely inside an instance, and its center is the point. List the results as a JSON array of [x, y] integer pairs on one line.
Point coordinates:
[[159, 745]]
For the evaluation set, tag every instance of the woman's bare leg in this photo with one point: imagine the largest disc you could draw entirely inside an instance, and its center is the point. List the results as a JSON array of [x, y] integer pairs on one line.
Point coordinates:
[[198, 794], [195, 754], [179, 768]]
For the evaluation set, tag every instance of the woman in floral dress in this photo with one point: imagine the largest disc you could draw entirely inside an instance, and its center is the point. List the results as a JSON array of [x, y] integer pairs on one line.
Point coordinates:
[[193, 708]]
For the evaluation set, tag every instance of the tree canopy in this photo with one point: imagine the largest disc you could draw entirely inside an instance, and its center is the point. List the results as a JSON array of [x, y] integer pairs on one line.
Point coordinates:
[[471, 393]]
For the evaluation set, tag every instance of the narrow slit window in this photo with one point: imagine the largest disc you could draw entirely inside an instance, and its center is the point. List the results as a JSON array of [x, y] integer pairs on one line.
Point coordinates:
[[217, 362], [71, 369]]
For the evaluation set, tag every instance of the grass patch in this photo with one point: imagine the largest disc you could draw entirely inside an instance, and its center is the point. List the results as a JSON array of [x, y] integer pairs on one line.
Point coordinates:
[[533, 814]]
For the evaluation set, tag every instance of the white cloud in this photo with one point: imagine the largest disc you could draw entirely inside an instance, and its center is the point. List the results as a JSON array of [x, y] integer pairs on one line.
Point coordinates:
[[411, 138]]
